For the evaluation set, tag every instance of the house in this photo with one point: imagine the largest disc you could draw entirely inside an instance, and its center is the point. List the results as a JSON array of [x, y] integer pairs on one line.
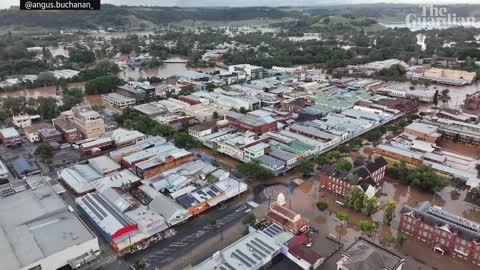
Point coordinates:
[[445, 232], [366, 255], [24, 120], [10, 137], [32, 131], [50, 135]]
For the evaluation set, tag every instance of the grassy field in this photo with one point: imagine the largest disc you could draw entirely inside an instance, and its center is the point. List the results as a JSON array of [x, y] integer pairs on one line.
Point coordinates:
[[338, 19], [259, 22]]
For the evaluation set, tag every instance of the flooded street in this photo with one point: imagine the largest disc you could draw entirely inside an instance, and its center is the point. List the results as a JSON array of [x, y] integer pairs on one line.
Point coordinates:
[[306, 195], [457, 93], [49, 91]]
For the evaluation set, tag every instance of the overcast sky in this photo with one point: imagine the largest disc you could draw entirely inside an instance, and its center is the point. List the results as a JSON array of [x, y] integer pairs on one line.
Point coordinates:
[[8, 3]]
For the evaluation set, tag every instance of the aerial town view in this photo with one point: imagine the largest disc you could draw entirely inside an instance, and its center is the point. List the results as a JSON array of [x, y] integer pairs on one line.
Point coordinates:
[[213, 135]]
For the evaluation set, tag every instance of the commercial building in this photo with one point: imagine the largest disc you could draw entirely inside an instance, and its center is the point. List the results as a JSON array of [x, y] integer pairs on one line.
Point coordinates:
[[248, 253], [69, 132], [423, 131], [209, 196], [365, 255], [444, 76], [121, 219], [89, 122], [50, 135], [118, 101], [41, 233], [162, 160], [32, 131], [10, 137], [444, 232], [140, 92], [253, 72], [424, 95], [250, 123]]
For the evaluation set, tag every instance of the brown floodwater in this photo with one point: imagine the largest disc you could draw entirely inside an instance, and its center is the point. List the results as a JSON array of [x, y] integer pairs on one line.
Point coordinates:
[[163, 71], [49, 91], [303, 200]]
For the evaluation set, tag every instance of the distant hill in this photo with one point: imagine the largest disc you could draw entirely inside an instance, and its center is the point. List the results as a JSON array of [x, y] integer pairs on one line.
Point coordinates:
[[137, 17]]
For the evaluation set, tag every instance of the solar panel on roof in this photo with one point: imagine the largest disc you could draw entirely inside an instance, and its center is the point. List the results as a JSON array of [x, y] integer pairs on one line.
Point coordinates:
[[264, 244], [201, 193], [85, 201], [211, 193], [246, 257], [110, 209], [256, 250], [215, 188], [235, 255], [229, 266]]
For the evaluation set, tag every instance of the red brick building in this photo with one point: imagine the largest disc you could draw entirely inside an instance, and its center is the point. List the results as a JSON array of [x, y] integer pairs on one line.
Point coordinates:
[[247, 122], [365, 174], [444, 232], [69, 132]]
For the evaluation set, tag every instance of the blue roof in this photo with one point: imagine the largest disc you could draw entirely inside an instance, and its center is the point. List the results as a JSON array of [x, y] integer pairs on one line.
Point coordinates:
[[22, 166]]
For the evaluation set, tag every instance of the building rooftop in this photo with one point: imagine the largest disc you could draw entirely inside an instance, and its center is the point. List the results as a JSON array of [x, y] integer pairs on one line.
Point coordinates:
[[40, 226], [9, 132], [104, 164], [435, 216], [249, 252], [365, 255], [271, 161]]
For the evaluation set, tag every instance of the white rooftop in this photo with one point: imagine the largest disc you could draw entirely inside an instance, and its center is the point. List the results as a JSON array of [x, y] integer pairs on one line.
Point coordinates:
[[39, 226]]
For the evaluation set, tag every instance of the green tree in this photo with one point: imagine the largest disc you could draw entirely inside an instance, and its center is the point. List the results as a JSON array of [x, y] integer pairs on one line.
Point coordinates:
[[344, 148], [253, 170], [3, 114], [249, 219], [389, 238], [47, 107], [107, 67], [389, 212], [401, 239], [44, 150], [82, 56], [343, 165], [103, 84], [305, 167], [72, 97], [243, 110], [184, 140], [210, 86], [333, 155], [355, 199], [365, 226], [321, 160], [215, 115], [369, 205], [322, 206], [435, 98], [342, 216]]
